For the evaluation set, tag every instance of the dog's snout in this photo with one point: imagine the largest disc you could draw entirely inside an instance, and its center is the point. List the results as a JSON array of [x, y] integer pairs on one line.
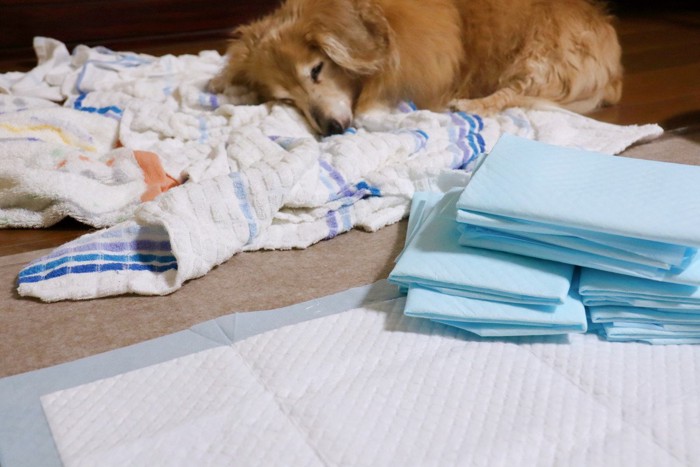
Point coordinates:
[[329, 125], [334, 127]]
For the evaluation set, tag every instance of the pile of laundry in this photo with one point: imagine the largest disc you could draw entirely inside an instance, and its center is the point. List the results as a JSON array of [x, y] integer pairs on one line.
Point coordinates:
[[542, 235]]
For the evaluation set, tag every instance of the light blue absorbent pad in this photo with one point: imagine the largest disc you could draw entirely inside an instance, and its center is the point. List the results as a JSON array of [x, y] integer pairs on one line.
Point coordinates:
[[480, 237], [600, 287], [631, 314], [653, 334], [25, 437], [666, 307], [434, 259], [504, 330], [491, 318], [634, 207], [643, 252], [571, 188]]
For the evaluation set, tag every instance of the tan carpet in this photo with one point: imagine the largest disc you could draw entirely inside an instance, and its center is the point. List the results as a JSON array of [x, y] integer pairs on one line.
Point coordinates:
[[35, 335]]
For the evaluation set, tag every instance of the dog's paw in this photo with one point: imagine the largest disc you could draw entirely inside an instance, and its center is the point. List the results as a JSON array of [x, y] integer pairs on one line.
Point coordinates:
[[472, 106], [217, 84]]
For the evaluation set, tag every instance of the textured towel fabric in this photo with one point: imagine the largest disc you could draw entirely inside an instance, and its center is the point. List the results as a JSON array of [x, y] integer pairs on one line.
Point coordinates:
[[372, 386], [58, 162], [270, 181], [585, 208], [434, 259], [632, 308]]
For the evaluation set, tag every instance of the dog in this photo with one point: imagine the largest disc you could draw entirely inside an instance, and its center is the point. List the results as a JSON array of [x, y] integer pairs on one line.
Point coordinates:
[[334, 59]]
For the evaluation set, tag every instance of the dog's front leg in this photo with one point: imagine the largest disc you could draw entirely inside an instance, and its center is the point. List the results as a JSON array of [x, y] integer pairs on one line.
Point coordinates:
[[220, 82], [493, 103]]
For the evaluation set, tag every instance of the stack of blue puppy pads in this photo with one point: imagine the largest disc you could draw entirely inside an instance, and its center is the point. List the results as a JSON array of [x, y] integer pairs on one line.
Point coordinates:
[[487, 292], [542, 231]]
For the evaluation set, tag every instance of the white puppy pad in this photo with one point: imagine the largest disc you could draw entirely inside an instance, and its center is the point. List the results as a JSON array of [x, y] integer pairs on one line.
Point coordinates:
[[373, 387]]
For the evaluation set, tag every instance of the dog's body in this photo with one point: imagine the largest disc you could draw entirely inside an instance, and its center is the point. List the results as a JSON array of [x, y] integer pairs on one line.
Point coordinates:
[[335, 58]]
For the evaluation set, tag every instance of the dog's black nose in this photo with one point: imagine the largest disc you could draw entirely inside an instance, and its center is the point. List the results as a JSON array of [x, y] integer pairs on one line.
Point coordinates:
[[334, 127]]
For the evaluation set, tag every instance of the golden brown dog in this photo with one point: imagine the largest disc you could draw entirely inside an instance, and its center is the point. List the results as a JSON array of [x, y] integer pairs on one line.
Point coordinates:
[[335, 58]]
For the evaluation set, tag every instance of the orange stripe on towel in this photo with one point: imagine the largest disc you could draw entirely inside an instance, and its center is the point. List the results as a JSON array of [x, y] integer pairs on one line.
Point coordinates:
[[157, 181]]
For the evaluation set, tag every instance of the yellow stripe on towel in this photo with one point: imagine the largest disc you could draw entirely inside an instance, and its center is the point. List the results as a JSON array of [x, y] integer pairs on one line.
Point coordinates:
[[64, 137]]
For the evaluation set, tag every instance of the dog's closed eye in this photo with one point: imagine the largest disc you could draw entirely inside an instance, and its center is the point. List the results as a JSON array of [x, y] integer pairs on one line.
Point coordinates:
[[316, 72]]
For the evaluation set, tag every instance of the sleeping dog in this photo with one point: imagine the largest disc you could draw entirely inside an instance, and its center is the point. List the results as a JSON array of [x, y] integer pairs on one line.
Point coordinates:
[[333, 59]]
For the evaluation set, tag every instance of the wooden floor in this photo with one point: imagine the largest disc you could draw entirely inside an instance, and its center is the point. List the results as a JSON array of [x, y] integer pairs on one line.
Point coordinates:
[[661, 55]]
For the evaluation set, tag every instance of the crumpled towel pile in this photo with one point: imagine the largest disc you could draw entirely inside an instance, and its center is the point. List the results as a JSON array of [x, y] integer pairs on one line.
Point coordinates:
[[184, 179]]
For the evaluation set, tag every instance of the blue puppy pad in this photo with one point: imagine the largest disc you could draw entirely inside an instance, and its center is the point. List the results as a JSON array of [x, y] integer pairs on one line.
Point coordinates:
[[570, 188], [497, 318], [480, 237], [653, 334], [648, 311], [630, 314], [656, 255], [502, 330], [434, 259], [586, 208], [643, 252], [600, 288]]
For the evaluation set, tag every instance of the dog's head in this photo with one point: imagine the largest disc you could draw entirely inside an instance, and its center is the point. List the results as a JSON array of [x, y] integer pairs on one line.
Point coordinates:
[[313, 54]]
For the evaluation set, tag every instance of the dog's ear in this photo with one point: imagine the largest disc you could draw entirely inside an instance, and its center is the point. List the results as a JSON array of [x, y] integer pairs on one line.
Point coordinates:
[[237, 55], [355, 34], [243, 39]]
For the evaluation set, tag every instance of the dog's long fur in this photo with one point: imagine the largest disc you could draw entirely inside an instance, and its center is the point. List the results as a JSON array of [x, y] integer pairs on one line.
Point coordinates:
[[335, 58]]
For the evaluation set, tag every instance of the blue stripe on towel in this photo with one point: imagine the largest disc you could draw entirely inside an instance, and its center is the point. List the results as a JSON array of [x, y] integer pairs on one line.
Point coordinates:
[[339, 189], [468, 142], [96, 268], [122, 249], [332, 223], [208, 100], [120, 60], [203, 130], [347, 218], [116, 246], [98, 257], [239, 188], [421, 138], [423, 134], [473, 121], [350, 194], [333, 173], [407, 107], [471, 146], [369, 189], [108, 111], [338, 221]]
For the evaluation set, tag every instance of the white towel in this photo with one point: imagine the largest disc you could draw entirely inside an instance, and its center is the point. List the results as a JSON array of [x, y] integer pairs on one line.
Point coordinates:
[[256, 169]]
